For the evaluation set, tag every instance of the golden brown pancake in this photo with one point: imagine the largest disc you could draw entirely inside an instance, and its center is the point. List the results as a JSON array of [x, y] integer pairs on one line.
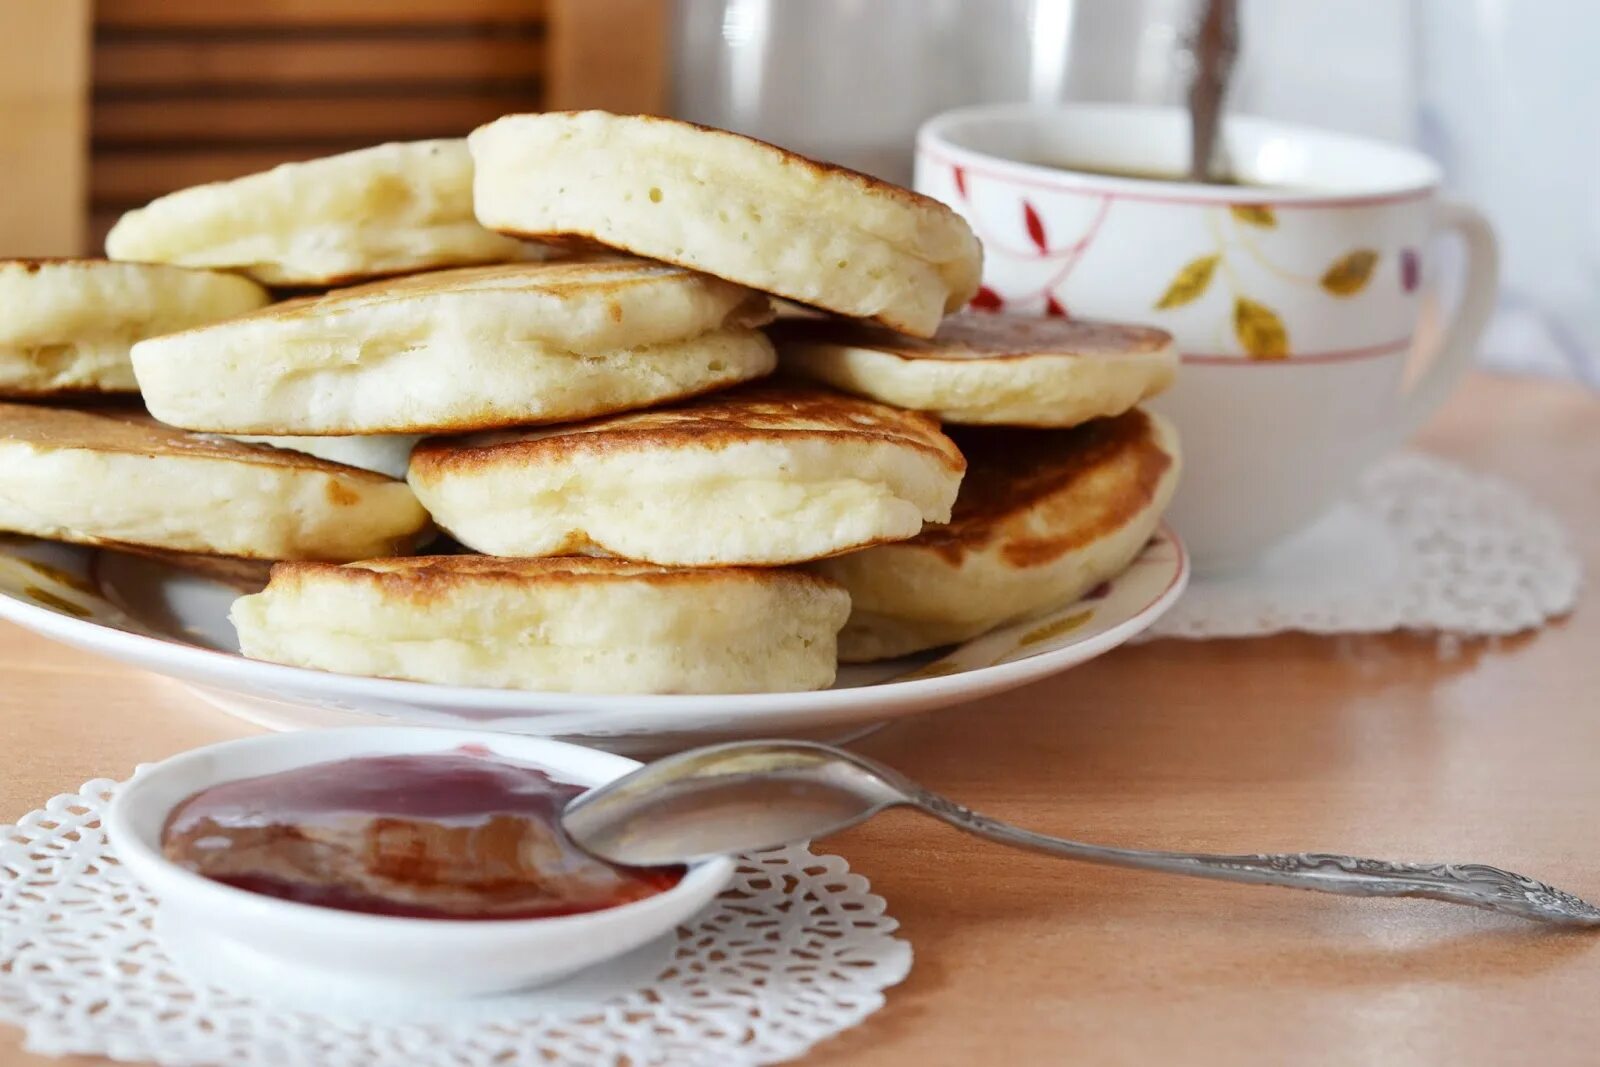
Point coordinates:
[[982, 335], [984, 368], [1037, 495], [1043, 516], [419, 580], [775, 410], [565, 624], [379, 211], [730, 206], [115, 476], [461, 350], [111, 428], [67, 325], [766, 474]]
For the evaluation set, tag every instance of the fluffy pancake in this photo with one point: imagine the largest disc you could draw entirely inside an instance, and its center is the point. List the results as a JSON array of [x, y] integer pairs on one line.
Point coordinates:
[[731, 206], [389, 209], [982, 368], [66, 325], [1043, 516], [767, 474], [462, 350], [118, 477], [566, 624]]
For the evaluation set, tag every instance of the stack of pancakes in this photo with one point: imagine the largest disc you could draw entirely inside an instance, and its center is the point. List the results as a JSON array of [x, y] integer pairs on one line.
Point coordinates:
[[548, 341]]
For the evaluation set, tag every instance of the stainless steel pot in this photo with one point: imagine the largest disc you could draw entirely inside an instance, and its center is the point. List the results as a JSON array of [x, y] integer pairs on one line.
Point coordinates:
[[851, 80]]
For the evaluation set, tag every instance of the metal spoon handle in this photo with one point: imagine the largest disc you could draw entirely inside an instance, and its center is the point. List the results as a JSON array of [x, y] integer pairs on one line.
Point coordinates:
[[1215, 44], [1473, 884]]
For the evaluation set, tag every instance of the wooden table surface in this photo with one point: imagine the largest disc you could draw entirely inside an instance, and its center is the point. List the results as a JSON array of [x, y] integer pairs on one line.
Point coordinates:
[[1385, 746]]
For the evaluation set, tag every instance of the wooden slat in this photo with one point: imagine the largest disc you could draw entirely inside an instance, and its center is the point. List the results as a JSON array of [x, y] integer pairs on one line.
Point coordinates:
[[100, 222], [219, 14], [374, 118], [44, 76], [196, 63], [133, 177], [609, 54]]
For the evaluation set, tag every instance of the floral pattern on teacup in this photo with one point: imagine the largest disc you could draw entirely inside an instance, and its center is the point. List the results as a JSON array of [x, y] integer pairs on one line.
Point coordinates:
[[1239, 284], [1258, 328]]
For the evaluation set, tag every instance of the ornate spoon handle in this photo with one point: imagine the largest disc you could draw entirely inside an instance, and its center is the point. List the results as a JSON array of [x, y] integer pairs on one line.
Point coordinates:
[[1474, 884]]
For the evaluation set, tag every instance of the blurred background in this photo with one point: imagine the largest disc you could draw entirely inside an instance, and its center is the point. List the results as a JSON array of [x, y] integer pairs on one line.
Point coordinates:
[[104, 106]]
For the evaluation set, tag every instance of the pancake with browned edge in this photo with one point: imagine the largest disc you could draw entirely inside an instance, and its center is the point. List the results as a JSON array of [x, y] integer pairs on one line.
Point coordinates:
[[118, 477], [763, 474], [67, 325], [388, 209], [981, 368], [462, 350], [731, 206], [1043, 516], [569, 624]]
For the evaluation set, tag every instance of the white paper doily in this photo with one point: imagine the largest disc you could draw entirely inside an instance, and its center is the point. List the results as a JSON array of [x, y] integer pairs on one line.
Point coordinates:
[[796, 950], [1422, 545]]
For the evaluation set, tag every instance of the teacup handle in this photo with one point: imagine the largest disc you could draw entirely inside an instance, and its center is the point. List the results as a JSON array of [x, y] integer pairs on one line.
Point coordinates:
[[1453, 356]]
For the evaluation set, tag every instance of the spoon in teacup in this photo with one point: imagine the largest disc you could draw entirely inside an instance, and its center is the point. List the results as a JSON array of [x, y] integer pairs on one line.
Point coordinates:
[[1214, 46], [753, 795]]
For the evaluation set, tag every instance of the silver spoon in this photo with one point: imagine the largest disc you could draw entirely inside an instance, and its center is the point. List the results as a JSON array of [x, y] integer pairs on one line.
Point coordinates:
[[1215, 44], [752, 795]]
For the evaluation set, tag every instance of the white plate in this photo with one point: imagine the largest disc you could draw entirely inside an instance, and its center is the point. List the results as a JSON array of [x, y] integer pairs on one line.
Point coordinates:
[[173, 622]]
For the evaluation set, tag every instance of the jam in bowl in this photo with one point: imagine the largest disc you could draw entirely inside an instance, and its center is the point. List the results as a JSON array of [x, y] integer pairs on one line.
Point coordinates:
[[450, 835], [389, 863]]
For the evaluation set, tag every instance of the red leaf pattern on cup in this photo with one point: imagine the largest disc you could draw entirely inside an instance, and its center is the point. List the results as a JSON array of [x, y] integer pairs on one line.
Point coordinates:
[[1410, 270], [1035, 226], [961, 180], [1053, 308], [987, 300]]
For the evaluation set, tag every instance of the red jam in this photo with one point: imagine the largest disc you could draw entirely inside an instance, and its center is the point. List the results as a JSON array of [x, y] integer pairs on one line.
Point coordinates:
[[457, 835]]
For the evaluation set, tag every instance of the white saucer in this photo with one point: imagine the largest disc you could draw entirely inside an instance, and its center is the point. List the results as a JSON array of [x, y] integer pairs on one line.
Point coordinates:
[[173, 622]]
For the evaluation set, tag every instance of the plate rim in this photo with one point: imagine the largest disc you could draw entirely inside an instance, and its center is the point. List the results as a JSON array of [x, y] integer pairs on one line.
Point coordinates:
[[235, 670]]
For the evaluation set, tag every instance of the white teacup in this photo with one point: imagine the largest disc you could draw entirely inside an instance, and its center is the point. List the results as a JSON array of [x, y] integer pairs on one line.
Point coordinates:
[[1296, 299]]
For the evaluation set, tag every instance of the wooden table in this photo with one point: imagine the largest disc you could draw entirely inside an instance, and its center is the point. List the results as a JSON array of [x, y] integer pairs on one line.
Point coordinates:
[[1378, 745]]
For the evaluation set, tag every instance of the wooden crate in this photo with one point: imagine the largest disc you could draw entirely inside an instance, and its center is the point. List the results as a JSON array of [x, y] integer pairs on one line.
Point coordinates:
[[188, 91]]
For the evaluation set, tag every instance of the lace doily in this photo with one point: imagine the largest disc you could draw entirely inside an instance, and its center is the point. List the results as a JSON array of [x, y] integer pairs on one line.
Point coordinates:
[[1422, 545], [797, 949]]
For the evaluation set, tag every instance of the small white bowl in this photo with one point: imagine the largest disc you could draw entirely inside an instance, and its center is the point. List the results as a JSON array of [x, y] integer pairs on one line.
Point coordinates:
[[382, 957]]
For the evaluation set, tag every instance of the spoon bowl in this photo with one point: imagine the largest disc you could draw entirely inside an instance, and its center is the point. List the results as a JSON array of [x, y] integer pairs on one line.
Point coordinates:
[[737, 797]]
